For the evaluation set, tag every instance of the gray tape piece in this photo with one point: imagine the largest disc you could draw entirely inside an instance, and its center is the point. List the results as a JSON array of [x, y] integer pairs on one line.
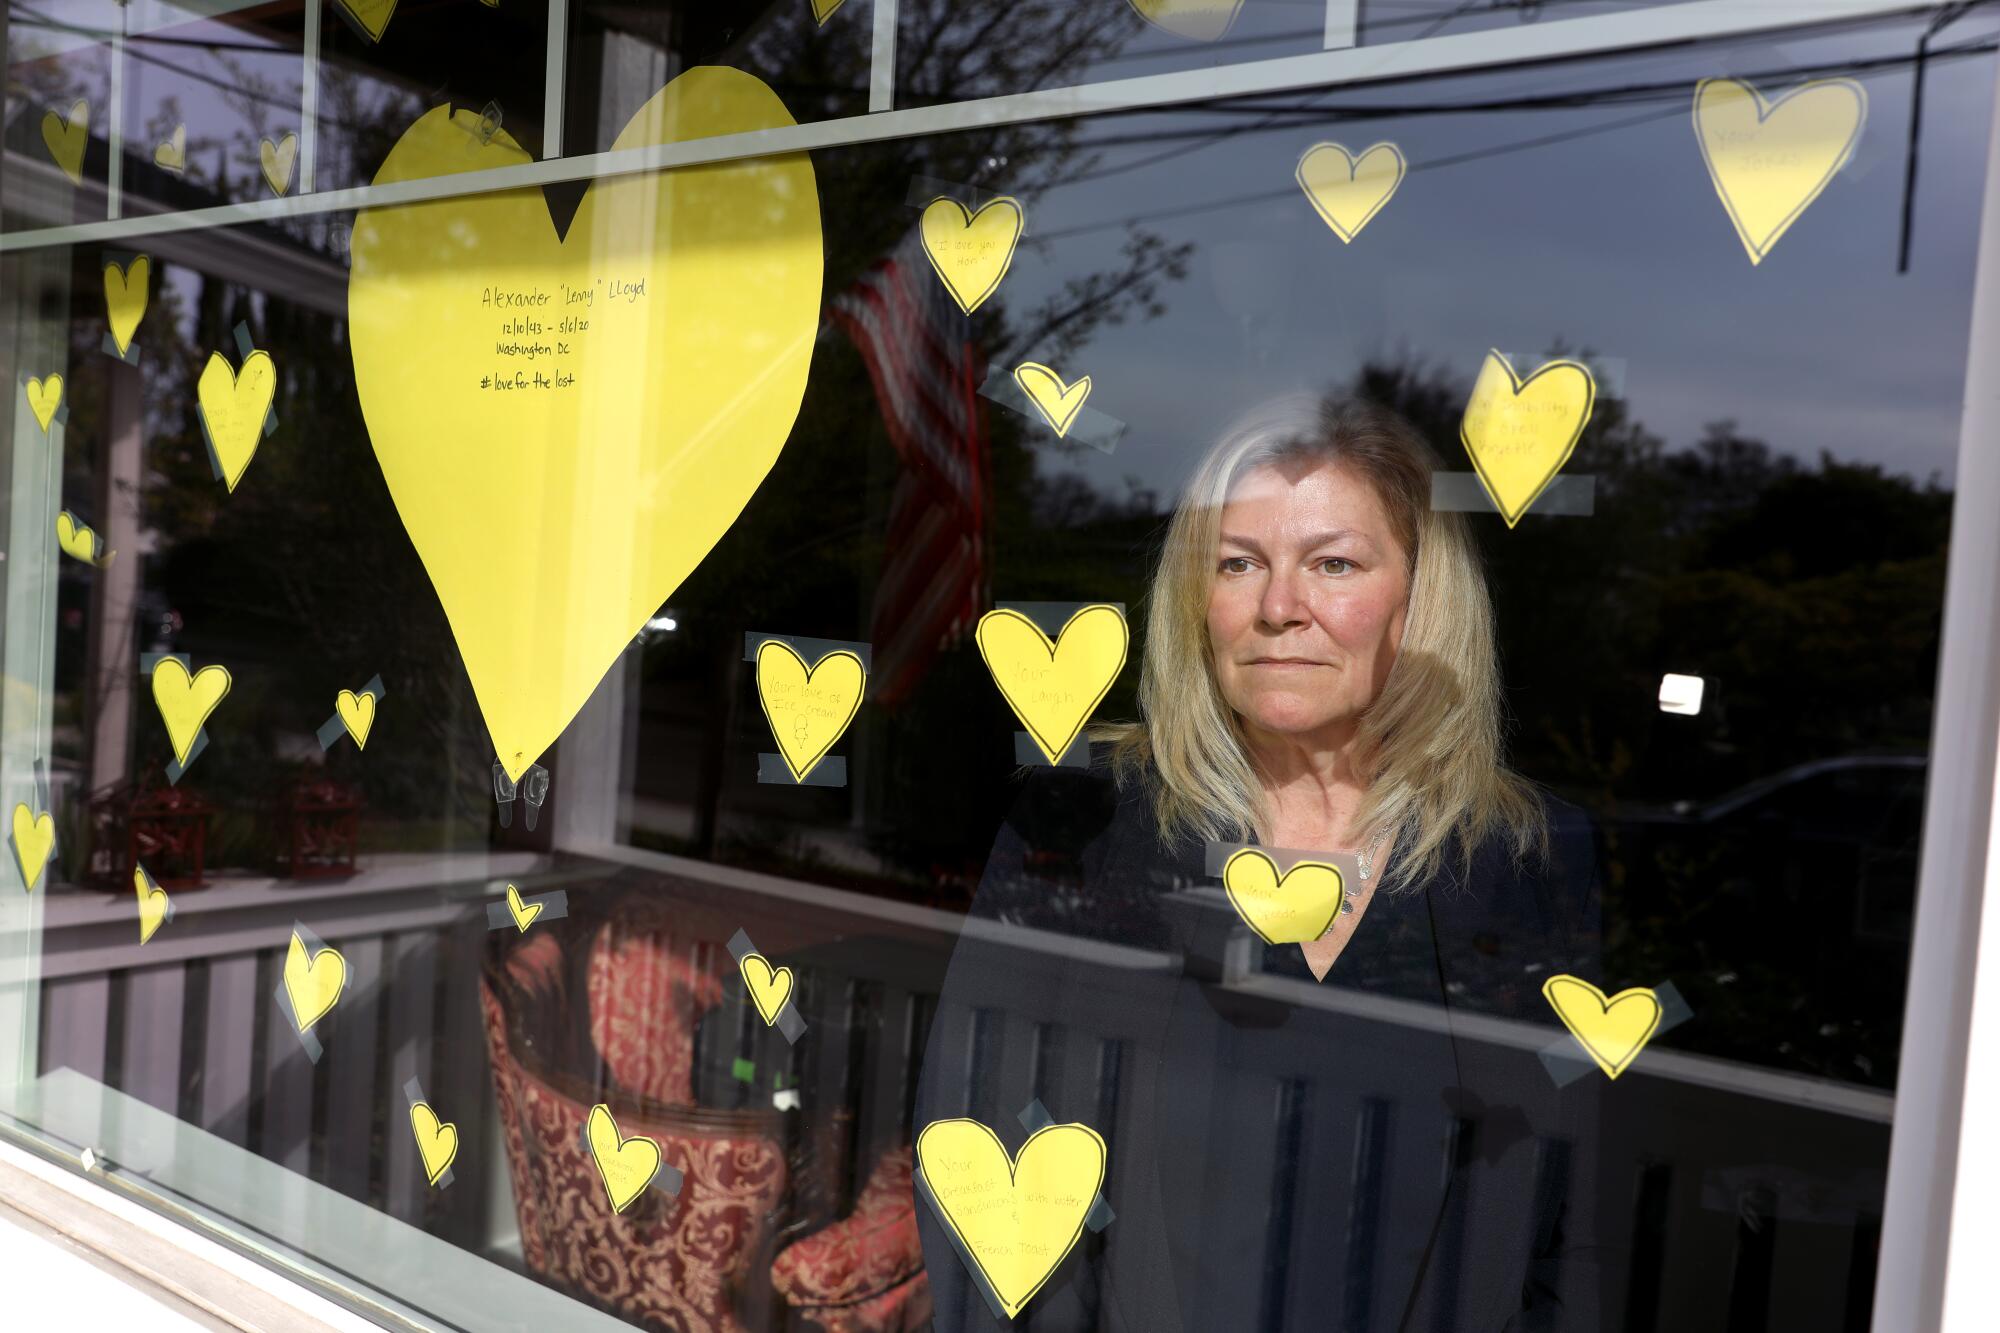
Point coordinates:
[[331, 730], [1567, 1061], [147, 661], [214, 459], [1099, 430], [667, 1180], [243, 344], [789, 1021], [130, 356], [1216, 853], [739, 945], [306, 1039], [1029, 755], [828, 772], [176, 770], [42, 785], [791, 1025], [554, 907], [413, 1092], [810, 649], [924, 189], [923, 1188], [1050, 617], [1607, 373], [1035, 1117], [1464, 493]]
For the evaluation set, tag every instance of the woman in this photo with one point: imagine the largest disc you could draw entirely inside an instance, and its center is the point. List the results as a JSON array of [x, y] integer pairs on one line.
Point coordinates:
[[1319, 675]]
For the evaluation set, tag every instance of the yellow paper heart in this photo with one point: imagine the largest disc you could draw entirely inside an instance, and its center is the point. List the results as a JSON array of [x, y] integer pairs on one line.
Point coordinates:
[[67, 137], [769, 988], [171, 153], [823, 9], [153, 903], [1057, 402], [1053, 687], [1770, 160], [312, 983], [1196, 20], [278, 159], [186, 701], [1293, 908], [1018, 1218], [233, 407], [34, 842], [125, 291], [437, 1141], [1612, 1029], [1348, 191], [627, 1165], [696, 296], [524, 913], [357, 713], [1519, 432], [808, 710], [372, 15], [971, 251], [75, 538], [44, 397]]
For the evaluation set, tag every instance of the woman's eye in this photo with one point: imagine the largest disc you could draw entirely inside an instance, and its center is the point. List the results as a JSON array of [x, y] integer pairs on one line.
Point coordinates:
[[1335, 565], [1234, 564]]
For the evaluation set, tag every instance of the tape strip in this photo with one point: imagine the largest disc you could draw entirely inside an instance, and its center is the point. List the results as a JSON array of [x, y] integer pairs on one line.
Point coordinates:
[[1029, 755], [667, 1180], [828, 772], [555, 906], [147, 661], [42, 784], [789, 1023], [1464, 493], [810, 649], [925, 189], [176, 770], [1214, 854], [1099, 430], [1567, 1062], [130, 356], [214, 459], [1035, 1117], [331, 730], [1050, 617], [413, 1092]]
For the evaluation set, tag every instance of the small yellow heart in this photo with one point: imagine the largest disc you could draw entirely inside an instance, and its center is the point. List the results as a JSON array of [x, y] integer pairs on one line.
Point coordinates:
[[1612, 1029], [524, 913], [357, 713], [971, 251], [1057, 402], [1770, 160], [1196, 20], [627, 1165], [1053, 687], [312, 983], [278, 159], [437, 1141], [1017, 1218], [171, 154], [67, 137], [186, 701], [1348, 191], [1293, 908], [153, 903], [1519, 432], [34, 842], [808, 709], [75, 538], [769, 989], [125, 291], [44, 397], [372, 15], [233, 406], [823, 9]]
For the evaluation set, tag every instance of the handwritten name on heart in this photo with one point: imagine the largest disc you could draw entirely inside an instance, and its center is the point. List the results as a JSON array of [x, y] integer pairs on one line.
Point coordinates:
[[1519, 433], [1293, 908], [1770, 159], [1054, 687], [1017, 1218], [626, 1165], [1612, 1029], [808, 709], [234, 404], [971, 251]]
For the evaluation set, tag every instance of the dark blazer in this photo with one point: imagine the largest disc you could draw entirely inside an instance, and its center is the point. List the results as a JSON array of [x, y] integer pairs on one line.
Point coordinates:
[[1381, 1151]]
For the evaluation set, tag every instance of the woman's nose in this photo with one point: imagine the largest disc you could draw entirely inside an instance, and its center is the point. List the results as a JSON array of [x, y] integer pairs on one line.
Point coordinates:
[[1281, 604]]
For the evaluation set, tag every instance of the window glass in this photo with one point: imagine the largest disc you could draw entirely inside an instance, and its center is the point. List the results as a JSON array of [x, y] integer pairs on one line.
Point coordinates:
[[554, 815]]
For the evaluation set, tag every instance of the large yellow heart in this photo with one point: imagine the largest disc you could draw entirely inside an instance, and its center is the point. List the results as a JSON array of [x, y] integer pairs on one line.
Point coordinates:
[[1348, 191], [437, 1141], [186, 701], [971, 251], [808, 709], [67, 136], [125, 299], [44, 397], [1519, 432], [357, 714], [1018, 1218], [153, 903], [1053, 687], [312, 983], [626, 1165], [372, 15], [1197, 20], [558, 498], [233, 407], [1293, 908], [1057, 402], [769, 987], [278, 159], [34, 842], [1770, 160], [1612, 1029], [75, 538]]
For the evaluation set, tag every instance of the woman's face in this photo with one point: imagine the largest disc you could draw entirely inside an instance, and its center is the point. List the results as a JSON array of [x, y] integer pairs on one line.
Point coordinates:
[[1305, 613]]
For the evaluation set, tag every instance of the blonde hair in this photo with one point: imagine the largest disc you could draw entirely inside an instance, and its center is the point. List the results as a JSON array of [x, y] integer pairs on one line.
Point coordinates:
[[1429, 744]]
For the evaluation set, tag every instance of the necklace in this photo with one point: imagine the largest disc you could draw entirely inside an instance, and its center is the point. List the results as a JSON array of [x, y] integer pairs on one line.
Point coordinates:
[[1366, 859]]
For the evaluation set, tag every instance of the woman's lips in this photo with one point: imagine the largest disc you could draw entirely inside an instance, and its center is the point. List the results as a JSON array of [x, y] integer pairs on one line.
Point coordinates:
[[1284, 663]]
